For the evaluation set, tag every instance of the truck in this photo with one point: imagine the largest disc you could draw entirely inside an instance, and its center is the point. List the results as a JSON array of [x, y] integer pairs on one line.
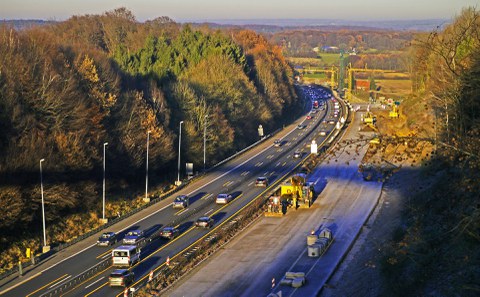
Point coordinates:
[[298, 191], [293, 193]]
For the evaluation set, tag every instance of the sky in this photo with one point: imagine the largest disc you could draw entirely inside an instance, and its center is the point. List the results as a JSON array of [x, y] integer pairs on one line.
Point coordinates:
[[210, 10]]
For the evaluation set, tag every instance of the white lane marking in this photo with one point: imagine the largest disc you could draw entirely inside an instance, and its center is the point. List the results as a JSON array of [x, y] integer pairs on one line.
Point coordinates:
[[236, 167], [20, 283], [94, 282], [278, 164], [259, 164], [245, 173], [209, 211], [59, 281], [265, 174], [272, 173], [182, 211], [207, 196], [107, 255], [227, 184], [270, 156], [95, 244], [153, 213], [250, 184]]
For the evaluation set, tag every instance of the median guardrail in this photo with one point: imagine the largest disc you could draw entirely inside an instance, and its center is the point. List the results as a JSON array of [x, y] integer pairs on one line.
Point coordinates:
[[61, 246], [66, 286], [160, 274]]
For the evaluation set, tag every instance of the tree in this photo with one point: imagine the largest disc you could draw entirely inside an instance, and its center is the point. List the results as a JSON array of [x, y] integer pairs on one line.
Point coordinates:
[[450, 53]]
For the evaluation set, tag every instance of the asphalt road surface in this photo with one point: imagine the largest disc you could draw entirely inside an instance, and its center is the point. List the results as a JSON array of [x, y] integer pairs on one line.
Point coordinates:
[[253, 263], [236, 177]]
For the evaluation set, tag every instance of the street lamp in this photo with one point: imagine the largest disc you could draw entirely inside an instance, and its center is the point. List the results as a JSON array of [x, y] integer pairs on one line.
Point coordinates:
[[146, 199], [204, 141], [45, 247], [179, 144], [103, 209]]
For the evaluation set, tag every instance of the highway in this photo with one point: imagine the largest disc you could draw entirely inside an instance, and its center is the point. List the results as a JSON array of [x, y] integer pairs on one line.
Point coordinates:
[[233, 177], [270, 247]]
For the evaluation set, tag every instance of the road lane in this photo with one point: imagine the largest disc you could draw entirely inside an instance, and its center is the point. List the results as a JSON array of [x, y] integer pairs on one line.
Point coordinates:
[[235, 182]]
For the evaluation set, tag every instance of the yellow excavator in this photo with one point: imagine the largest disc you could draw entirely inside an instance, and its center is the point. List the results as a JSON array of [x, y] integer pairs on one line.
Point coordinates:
[[369, 119], [394, 113]]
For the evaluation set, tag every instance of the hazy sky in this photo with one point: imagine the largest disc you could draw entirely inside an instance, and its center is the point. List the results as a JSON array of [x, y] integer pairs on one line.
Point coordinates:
[[201, 10]]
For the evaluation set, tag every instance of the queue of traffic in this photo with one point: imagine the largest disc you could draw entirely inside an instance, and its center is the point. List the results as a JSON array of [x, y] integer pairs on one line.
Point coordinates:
[[129, 253]]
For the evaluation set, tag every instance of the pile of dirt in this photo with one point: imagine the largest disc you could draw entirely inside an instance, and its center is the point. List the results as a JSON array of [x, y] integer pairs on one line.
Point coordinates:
[[397, 157]]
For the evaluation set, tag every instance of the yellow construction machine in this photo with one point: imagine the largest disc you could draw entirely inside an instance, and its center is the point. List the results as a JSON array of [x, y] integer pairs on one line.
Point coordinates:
[[294, 193], [370, 120], [394, 113]]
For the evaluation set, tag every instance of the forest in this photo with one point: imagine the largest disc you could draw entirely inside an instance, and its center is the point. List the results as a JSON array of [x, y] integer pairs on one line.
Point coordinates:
[[436, 250], [300, 43], [68, 87]]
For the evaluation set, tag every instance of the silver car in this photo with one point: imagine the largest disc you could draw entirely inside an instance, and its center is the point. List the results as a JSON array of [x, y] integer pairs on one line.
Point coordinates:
[[297, 154], [205, 222], [121, 278], [223, 198]]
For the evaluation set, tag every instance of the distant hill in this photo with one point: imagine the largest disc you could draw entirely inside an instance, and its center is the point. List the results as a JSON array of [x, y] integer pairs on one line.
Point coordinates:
[[25, 24], [275, 25]]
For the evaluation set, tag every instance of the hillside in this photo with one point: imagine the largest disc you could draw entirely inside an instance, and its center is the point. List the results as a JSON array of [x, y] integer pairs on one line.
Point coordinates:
[[425, 239], [69, 87]]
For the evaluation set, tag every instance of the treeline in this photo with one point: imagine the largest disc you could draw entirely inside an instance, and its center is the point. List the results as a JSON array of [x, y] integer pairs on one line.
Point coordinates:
[[67, 88], [437, 251], [299, 43]]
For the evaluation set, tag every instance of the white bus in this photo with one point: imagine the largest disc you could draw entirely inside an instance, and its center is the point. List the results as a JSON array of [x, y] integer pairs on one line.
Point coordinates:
[[126, 255]]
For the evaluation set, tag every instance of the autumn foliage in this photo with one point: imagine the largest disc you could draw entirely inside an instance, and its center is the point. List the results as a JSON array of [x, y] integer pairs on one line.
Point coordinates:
[[68, 87]]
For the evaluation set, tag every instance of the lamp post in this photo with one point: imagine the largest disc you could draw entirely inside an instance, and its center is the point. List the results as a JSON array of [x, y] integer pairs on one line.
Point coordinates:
[[103, 208], [204, 141], [146, 199], [45, 248], [179, 144]]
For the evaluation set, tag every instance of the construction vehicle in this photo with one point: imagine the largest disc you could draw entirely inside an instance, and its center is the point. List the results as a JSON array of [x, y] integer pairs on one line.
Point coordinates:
[[369, 117], [375, 140], [293, 193], [370, 120], [297, 191], [394, 113]]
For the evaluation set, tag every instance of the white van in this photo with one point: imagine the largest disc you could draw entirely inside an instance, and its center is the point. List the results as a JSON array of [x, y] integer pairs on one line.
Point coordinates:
[[125, 255]]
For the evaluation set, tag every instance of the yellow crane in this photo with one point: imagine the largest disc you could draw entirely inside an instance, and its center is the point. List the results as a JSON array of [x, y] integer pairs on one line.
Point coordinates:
[[333, 71]]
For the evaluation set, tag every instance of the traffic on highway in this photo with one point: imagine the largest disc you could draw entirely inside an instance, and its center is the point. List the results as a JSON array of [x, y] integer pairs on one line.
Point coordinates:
[[126, 258]]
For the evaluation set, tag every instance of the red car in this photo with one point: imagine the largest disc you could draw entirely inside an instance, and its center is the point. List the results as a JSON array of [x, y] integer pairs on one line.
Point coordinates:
[[309, 117]]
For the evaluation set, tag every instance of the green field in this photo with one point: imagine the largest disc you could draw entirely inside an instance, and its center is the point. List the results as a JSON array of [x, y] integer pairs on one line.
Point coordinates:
[[323, 60], [330, 59], [315, 75]]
